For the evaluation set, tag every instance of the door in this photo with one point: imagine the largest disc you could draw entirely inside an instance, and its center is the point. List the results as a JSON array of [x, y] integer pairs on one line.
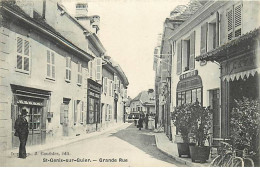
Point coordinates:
[[65, 125], [214, 95]]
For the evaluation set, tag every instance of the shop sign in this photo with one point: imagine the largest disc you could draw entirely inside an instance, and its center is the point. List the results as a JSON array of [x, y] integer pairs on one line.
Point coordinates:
[[93, 87], [239, 65], [189, 74], [29, 102]]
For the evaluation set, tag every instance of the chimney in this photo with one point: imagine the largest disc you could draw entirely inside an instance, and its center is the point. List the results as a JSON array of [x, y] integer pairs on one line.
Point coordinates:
[[81, 9], [26, 6], [94, 22]]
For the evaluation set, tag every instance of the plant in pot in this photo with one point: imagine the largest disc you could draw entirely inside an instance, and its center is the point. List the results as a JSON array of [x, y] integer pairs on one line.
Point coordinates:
[[200, 129], [183, 120], [245, 127]]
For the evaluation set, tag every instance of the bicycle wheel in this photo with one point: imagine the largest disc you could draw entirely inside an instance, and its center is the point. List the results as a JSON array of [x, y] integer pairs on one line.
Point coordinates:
[[227, 160], [237, 162], [215, 161], [249, 162]]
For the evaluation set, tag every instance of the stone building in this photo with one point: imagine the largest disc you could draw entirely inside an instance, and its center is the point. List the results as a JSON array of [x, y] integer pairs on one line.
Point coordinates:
[[52, 66]]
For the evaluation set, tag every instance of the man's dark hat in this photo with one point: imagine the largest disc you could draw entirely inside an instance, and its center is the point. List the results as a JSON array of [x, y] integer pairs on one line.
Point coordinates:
[[24, 112]]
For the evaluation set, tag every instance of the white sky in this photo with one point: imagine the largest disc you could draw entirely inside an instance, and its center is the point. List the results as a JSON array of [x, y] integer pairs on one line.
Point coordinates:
[[129, 30]]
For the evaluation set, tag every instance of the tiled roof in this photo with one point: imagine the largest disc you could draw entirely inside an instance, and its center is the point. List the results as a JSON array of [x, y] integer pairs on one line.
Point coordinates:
[[146, 97]]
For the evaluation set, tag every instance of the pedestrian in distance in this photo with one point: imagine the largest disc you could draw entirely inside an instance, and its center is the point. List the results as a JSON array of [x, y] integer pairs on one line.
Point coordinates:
[[21, 131], [140, 122]]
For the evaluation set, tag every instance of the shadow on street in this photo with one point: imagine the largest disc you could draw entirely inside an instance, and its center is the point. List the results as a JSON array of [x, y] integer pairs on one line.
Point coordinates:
[[145, 141]]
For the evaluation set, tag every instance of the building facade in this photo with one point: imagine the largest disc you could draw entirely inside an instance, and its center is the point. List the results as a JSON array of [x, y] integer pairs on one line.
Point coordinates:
[[51, 65], [143, 104], [213, 82]]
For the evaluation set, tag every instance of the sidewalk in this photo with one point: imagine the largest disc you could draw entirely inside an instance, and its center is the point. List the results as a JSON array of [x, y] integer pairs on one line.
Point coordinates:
[[67, 140], [170, 148]]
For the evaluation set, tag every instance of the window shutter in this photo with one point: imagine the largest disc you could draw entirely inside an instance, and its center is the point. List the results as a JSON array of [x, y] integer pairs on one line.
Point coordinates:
[[44, 119], [117, 87], [14, 114], [75, 111], [238, 19], [179, 58], [19, 45], [94, 69], [48, 64], [113, 87], [82, 112], [53, 64], [90, 68], [192, 51], [99, 69], [62, 113], [115, 82], [203, 42], [105, 85], [230, 23], [26, 48], [19, 62]]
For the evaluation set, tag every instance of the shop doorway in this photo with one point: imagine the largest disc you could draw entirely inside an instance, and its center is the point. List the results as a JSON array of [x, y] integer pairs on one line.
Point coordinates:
[[244, 87], [214, 105]]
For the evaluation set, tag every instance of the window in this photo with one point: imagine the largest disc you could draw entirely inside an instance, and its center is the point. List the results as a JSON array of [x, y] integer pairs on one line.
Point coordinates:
[[82, 112], [212, 38], [98, 69], [79, 81], [50, 65], [105, 85], [189, 96], [186, 54], [23, 55], [68, 69], [203, 40], [76, 110], [113, 88], [110, 87], [110, 112], [234, 21], [90, 69]]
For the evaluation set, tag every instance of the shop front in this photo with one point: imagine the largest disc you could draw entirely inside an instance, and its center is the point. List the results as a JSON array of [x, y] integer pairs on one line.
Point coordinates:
[[94, 106], [239, 63], [35, 101]]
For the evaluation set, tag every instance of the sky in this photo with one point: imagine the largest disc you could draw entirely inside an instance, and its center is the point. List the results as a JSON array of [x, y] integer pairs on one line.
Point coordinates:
[[129, 32]]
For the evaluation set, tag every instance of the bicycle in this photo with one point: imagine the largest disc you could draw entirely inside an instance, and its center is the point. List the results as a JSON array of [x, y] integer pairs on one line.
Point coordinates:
[[228, 158]]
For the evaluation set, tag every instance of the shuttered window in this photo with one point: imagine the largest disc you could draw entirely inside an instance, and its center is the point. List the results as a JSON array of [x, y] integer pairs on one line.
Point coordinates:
[[192, 51], [238, 20], [75, 111], [179, 58], [50, 65], [90, 69], [234, 21], [105, 85], [82, 112], [98, 69], [203, 41], [110, 87], [68, 69], [23, 54], [79, 81], [113, 88]]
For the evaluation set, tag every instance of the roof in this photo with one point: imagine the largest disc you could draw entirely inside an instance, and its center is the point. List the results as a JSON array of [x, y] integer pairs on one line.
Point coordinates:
[[146, 98], [221, 51], [39, 23]]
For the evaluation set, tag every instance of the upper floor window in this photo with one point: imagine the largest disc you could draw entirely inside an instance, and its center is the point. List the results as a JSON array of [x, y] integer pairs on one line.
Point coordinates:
[[68, 69], [50, 65], [23, 55], [79, 81], [234, 21], [186, 54]]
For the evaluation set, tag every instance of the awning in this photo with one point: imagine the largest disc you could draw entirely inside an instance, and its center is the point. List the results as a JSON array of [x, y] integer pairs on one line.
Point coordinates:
[[225, 51], [236, 76]]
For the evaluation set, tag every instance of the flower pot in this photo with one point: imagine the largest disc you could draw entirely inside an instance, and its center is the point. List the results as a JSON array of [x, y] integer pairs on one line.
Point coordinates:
[[183, 149], [199, 153]]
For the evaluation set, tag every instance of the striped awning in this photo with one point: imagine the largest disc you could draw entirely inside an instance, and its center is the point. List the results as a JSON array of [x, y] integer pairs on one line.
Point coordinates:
[[241, 75]]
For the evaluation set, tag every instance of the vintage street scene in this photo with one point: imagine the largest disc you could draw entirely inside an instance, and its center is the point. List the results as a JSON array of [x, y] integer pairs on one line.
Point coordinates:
[[129, 83]]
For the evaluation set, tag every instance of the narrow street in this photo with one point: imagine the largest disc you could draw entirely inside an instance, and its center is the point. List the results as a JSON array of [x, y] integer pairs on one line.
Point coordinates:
[[126, 147]]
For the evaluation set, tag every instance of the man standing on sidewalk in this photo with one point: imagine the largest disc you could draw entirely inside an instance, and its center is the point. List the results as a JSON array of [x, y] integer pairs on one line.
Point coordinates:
[[21, 128]]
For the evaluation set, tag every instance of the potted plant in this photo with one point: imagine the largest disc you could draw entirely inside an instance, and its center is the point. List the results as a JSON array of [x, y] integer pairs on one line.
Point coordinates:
[[183, 120], [245, 127], [200, 129]]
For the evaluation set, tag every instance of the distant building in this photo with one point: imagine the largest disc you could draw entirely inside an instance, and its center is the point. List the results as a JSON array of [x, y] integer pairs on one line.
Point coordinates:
[[143, 103]]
